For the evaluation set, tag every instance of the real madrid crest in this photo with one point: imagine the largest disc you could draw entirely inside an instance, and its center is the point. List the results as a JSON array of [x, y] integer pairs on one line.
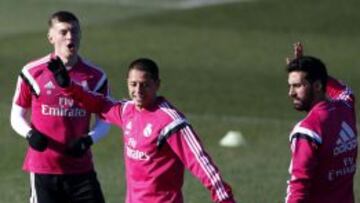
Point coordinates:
[[85, 84]]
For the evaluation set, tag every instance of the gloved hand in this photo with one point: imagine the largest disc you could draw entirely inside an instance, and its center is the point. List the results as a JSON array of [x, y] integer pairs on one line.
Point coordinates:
[[57, 67], [79, 147], [37, 140]]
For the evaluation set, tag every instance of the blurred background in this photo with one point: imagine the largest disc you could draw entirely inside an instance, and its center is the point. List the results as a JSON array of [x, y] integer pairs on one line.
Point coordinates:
[[221, 62]]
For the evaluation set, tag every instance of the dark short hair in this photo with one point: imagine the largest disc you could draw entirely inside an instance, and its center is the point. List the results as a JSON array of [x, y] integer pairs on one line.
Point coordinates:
[[63, 16], [314, 68], [147, 65]]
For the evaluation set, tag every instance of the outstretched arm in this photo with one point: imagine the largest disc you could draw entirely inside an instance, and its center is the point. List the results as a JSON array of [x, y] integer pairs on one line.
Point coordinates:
[[91, 101], [105, 107], [187, 146]]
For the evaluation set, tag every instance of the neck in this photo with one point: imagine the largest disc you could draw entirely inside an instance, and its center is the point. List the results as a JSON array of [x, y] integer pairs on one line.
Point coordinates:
[[69, 61], [318, 98], [148, 106]]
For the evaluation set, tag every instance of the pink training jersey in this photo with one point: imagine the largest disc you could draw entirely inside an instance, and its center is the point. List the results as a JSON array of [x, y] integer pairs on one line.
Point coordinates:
[[56, 115], [324, 151], [158, 144]]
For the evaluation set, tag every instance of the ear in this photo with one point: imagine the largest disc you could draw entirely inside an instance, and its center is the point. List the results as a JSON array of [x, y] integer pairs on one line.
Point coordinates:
[[50, 37], [318, 86], [158, 84]]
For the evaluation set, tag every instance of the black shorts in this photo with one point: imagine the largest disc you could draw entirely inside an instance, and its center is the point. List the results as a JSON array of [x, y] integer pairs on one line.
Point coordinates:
[[74, 188]]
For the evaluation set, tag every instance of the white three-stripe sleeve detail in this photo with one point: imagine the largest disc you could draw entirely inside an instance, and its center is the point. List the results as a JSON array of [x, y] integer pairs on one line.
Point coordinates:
[[174, 124], [310, 133], [29, 77], [173, 114], [345, 95], [100, 84], [204, 162], [31, 80], [348, 129], [198, 151]]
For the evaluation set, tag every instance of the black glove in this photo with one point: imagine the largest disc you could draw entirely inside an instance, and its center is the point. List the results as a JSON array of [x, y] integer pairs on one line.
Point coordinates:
[[57, 67], [79, 147], [37, 140]]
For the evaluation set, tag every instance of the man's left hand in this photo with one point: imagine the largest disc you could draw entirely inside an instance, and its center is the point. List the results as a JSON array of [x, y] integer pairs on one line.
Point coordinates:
[[79, 147]]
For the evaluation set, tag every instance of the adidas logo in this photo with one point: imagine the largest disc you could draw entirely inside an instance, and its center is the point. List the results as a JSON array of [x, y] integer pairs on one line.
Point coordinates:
[[147, 130], [347, 140], [49, 85]]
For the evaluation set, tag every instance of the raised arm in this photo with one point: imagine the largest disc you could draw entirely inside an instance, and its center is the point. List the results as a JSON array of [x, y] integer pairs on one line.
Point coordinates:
[[337, 90], [105, 107], [91, 101]]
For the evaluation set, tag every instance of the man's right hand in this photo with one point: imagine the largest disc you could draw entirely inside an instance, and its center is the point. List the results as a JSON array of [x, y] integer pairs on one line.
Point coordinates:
[[57, 67], [37, 140], [80, 146], [298, 51]]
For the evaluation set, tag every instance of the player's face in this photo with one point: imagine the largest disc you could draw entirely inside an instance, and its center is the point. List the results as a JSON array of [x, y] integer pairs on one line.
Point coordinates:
[[142, 88], [65, 37], [300, 90]]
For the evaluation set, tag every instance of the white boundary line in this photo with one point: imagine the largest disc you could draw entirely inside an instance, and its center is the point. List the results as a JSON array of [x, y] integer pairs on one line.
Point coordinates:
[[202, 3], [149, 7], [164, 4]]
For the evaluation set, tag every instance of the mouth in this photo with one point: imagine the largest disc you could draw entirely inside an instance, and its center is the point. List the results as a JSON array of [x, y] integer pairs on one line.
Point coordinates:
[[71, 46], [296, 101], [139, 97]]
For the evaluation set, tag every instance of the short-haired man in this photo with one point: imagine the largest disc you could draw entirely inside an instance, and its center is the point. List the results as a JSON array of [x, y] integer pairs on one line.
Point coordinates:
[[58, 131], [159, 142], [324, 143]]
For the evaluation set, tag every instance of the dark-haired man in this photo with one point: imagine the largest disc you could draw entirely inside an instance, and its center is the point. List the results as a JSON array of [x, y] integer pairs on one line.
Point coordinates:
[[159, 142], [324, 143]]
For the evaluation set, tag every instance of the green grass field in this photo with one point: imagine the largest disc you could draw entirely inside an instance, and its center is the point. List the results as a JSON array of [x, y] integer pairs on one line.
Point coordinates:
[[223, 65]]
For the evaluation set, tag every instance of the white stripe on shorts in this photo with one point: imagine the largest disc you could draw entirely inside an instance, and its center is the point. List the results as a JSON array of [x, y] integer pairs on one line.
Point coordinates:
[[33, 196]]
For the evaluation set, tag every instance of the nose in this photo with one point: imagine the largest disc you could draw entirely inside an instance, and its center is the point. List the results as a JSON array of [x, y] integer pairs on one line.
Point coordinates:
[[69, 35], [139, 88], [291, 92]]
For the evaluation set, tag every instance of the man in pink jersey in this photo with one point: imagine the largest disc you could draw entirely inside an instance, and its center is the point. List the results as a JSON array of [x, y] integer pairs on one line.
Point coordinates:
[[59, 160], [159, 142], [324, 143]]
